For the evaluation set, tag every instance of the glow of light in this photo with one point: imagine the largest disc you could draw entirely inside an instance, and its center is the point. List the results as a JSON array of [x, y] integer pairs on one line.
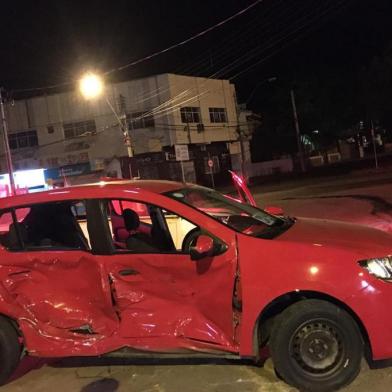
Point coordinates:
[[313, 270], [29, 178], [58, 192], [91, 85]]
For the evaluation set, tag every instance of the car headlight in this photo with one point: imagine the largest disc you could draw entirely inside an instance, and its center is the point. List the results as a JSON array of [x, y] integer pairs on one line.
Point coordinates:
[[381, 267]]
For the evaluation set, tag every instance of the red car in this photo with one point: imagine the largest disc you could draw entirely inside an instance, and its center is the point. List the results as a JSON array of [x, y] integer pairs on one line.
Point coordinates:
[[134, 268]]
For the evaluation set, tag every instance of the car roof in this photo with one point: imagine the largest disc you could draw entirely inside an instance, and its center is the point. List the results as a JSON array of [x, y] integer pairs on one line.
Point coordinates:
[[102, 189]]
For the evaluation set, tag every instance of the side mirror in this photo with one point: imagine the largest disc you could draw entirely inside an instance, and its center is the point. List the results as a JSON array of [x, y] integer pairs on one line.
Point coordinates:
[[274, 210], [204, 247]]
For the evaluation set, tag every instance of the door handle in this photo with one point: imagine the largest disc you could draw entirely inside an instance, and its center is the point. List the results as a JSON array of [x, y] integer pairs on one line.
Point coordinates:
[[128, 271]]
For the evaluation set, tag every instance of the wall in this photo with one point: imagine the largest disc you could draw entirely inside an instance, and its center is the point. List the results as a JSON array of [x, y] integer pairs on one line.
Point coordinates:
[[269, 167]]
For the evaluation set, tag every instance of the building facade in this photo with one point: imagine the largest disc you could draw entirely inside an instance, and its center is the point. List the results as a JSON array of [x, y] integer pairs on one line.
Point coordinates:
[[72, 137]]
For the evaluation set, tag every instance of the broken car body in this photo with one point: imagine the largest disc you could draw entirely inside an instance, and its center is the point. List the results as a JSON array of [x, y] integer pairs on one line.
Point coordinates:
[[164, 267]]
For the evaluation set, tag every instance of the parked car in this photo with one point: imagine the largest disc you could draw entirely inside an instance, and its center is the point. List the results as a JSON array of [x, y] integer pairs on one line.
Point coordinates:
[[173, 269]]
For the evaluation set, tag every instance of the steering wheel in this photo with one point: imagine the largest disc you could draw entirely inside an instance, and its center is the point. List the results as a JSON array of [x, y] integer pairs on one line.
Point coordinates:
[[189, 239]]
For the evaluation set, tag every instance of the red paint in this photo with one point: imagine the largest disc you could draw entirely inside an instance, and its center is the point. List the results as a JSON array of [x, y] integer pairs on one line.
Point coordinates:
[[274, 210], [70, 303], [204, 244], [245, 196]]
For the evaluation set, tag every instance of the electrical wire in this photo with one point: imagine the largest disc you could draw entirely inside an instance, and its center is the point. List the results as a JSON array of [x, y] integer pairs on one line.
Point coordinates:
[[155, 54], [166, 107], [309, 22]]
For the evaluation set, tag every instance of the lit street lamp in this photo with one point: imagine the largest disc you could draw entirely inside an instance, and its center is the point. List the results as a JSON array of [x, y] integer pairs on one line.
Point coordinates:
[[91, 86]]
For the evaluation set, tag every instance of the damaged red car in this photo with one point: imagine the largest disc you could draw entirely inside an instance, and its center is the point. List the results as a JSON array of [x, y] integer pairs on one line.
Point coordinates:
[[135, 268]]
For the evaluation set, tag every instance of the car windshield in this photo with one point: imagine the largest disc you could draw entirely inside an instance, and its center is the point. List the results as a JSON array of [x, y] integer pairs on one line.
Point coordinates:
[[241, 217]]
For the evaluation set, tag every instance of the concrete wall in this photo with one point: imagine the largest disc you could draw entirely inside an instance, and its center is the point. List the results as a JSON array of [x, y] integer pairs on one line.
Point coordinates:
[[269, 167]]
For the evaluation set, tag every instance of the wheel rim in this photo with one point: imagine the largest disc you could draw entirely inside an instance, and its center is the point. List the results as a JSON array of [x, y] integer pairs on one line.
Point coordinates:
[[317, 347]]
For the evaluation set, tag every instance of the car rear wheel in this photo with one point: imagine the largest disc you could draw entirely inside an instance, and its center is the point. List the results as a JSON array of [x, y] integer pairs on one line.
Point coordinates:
[[10, 350], [316, 346]]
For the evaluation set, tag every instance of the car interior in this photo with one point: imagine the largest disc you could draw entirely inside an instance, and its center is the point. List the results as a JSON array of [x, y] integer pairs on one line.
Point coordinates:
[[144, 228], [50, 225], [135, 227], [132, 232]]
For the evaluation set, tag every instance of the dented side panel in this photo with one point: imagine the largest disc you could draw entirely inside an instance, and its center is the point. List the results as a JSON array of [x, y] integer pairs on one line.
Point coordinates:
[[171, 296], [74, 303], [60, 300]]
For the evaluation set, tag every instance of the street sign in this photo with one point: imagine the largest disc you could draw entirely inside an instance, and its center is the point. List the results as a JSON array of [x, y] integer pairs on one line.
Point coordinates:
[[182, 152], [210, 163]]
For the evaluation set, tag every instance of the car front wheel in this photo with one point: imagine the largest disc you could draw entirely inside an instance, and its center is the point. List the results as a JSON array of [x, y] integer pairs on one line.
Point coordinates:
[[10, 349], [316, 346]]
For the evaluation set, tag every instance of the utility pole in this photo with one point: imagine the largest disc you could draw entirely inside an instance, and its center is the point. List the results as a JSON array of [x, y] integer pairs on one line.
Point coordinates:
[[374, 145], [242, 149], [7, 145], [297, 130], [188, 130], [240, 138], [123, 127]]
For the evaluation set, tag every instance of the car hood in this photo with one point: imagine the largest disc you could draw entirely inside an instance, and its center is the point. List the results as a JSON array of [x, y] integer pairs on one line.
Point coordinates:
[[328, 233]]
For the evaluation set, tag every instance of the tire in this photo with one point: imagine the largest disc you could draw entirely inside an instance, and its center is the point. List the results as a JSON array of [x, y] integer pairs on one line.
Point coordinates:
[[316, 346], [10, 350]]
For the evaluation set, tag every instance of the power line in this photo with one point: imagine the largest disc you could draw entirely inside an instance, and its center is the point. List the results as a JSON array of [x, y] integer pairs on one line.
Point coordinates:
[[311, 26], [185, 41], [167, 107], [310, 22], [155, 54]]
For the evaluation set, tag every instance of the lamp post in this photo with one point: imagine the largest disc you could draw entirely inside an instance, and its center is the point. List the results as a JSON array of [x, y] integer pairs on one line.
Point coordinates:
[[91, 86], [7, 149]]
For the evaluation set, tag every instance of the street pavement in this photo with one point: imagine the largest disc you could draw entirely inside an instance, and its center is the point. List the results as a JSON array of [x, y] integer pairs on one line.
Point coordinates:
[[363, 198]]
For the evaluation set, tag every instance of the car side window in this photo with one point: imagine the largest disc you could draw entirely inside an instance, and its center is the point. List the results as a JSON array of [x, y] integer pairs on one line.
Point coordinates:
[[142, 228], [46, 226], [180, 230]]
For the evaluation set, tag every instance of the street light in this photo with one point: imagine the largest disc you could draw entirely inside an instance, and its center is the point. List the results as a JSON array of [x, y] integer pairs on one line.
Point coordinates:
[[91, 86]]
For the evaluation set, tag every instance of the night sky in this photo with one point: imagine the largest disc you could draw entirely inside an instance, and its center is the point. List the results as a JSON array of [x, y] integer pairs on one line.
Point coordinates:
[[49, 42]]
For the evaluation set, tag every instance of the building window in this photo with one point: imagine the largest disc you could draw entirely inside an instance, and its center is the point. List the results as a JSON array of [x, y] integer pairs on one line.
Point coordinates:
[[139, 120], [218, 115], [50, 129], [190, 114], [23, 139], [79, 128]]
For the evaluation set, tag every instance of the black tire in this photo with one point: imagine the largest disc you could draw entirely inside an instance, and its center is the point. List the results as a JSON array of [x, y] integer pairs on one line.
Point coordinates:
[[10, 350], [316, 346]]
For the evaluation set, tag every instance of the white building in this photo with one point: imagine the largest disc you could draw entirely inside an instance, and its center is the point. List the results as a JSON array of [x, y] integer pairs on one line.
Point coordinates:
[[71, 136]]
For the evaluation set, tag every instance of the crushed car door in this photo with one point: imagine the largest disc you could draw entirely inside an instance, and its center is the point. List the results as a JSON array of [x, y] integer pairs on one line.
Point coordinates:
[[61, 299], [164, 299]]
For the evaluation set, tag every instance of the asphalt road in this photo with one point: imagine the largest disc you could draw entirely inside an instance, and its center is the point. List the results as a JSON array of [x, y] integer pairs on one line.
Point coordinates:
[[361, 198]]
